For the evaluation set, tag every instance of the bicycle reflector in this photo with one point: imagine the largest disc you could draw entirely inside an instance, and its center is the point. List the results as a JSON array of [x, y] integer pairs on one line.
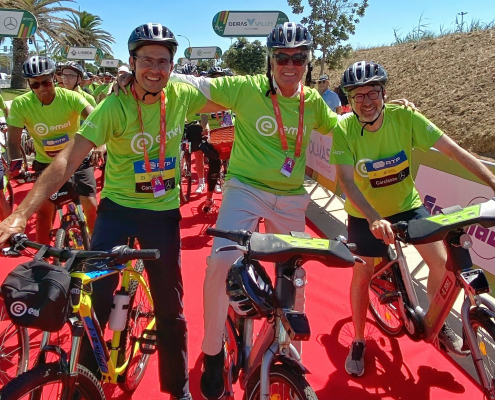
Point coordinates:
[[250, 289]]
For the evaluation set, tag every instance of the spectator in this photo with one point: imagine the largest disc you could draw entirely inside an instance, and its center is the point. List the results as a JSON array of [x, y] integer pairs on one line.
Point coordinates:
[[330, 97]]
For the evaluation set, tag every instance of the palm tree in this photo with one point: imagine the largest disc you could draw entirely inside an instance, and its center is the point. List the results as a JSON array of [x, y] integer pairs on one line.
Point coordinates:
[[86, 32], [50, 29]]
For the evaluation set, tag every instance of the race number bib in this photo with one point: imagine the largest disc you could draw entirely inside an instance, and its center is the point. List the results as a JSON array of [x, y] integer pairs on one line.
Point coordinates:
[[54, 146], [143, 180], [388, 171]]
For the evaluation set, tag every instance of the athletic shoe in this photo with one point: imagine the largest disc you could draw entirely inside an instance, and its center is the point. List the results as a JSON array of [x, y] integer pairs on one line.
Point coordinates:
[[354, 363], [208, 205], [451, 341], [212, 385], [200, 189]]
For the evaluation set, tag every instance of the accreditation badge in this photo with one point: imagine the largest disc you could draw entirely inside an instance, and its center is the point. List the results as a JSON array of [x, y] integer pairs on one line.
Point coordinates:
[[288, 166], [158, 186]]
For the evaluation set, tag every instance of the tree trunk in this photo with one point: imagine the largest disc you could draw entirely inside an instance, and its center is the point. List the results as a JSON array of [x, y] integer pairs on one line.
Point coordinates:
[[20, 50], [323, 57]]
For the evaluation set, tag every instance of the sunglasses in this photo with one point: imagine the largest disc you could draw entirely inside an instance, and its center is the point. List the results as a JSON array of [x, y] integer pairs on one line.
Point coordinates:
[[298, 59], [320, 82], [37, 85]]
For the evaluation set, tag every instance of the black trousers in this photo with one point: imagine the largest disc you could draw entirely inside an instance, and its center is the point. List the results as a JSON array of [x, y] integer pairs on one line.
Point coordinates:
[[154, 230]]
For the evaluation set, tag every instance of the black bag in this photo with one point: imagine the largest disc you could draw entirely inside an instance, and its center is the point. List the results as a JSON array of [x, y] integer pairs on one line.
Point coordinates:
[[36, 295]]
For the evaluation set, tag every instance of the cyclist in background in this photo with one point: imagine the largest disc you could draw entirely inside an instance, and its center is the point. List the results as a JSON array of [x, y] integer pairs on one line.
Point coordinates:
[[51, 116], [3, 107], [378, 134], [141, 194], [101, 91], [72, 77], [58, 75]]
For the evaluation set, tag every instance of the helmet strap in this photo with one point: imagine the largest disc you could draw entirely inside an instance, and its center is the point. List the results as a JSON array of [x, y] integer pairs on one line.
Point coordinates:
[[270, 79], [369, 122], [146, 92]]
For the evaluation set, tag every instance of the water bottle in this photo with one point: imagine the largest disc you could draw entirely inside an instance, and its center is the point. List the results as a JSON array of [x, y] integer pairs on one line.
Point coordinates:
[[118, 315]]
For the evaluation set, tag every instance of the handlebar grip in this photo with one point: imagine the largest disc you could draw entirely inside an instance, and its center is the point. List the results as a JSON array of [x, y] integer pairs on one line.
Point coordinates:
[[240, 236], [146, 254], [400, 228]]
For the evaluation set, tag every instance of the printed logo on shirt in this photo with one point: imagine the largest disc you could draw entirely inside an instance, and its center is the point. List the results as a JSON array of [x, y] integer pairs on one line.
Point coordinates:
[[54, 146], [361, 167], [267, 126], [388, 171], [42, 129], [145, 139]]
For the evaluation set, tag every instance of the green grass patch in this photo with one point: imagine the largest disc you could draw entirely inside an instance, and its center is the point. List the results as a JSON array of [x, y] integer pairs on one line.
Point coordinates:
[[11, 94]]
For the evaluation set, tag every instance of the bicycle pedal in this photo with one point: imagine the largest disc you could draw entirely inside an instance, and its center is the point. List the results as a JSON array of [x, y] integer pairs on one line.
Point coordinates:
[[388, 297], [148, 341]]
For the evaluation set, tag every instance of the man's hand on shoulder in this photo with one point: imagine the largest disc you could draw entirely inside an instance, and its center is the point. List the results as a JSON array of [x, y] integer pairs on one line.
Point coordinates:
[[406, 103]]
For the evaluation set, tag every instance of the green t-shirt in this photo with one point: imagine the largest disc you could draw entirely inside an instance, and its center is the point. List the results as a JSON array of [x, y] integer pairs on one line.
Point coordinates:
[[91, 100], [3, 106], [52, 125], [100, 89], [382, 159], [116, 123], [257, 155]]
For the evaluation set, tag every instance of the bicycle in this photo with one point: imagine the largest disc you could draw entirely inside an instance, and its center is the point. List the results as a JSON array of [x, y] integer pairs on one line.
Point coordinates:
[[394, 304], [270, 365], [222, 140], [122, 360], [185, 171]]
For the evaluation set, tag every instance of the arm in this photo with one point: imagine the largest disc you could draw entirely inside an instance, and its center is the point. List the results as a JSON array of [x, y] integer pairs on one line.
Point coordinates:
[[212, 107], [379, 227], [14, 142], [451, 149], [60, 170], [88, 110], [338, 110]]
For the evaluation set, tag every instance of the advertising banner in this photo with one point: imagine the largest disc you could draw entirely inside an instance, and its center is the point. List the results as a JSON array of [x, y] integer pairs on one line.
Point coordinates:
[[17, 23], [109, 63], [247, 23], [85, 53], [317, 158], [203, 53]]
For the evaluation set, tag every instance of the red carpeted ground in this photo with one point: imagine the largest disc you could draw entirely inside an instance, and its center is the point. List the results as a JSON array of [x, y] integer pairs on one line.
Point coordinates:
[[395, 368]]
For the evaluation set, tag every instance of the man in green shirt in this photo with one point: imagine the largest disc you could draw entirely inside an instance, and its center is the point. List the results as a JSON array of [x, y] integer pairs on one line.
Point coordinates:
[[141, 194], [3, 107], [51, 115], [365, 144], [72, 76]]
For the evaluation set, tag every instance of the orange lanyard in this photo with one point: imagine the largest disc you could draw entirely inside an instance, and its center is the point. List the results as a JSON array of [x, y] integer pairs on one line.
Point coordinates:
[[281, 131], [163, 133]]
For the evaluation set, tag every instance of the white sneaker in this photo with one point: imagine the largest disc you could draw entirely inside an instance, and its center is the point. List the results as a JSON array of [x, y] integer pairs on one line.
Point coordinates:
[[200, 189], [218, 188]]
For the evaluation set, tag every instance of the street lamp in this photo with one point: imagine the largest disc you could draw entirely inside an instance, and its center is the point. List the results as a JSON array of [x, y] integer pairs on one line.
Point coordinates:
[[185, 38]]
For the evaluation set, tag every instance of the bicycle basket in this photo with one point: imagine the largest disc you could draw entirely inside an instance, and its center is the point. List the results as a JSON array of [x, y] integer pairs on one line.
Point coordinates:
[[222, 140], [36, 295], [250, 289]]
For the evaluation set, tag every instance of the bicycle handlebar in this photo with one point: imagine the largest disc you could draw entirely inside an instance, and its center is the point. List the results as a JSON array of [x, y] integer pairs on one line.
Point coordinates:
[[240, 236], [120, 254]]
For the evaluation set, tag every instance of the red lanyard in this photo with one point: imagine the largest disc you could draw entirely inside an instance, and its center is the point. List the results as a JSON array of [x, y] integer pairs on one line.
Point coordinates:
[[163, 133], [281, 131]]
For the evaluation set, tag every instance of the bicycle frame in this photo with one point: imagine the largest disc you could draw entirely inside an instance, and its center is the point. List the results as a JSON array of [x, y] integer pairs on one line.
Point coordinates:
[[74, 209], [107, 359]]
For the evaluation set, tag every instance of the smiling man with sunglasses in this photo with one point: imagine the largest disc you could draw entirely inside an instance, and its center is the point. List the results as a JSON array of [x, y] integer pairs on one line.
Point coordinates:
[[372, 149], [51, 116]]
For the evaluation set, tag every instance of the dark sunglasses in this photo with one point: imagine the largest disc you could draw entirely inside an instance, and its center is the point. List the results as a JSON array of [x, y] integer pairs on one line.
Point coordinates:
[[298, 59], [37, 85]]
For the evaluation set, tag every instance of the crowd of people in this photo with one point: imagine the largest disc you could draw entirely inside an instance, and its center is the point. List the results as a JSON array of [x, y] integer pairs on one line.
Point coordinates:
[[141, 129]]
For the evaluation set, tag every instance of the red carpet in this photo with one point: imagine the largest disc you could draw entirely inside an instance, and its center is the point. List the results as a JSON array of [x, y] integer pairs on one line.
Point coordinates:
[[395, 368]]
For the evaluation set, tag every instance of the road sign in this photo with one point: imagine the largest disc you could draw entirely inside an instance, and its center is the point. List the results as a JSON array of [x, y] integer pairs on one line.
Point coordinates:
[[17, 23], [247, 23], [85, 53], [203, 53], [109, 63]]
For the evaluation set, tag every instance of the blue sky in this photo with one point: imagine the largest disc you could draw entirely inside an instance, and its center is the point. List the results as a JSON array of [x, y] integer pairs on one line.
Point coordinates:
[[192, 18]]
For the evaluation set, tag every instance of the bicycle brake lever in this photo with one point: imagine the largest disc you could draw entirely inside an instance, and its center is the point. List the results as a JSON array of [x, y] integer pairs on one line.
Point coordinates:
[[10, 252], [359, 260], [232, 247]]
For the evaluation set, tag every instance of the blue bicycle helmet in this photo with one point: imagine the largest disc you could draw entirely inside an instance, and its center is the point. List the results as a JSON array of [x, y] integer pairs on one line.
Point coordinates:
[[363, 73], [290, 36], [189, 69], [149, 34], [37, 66]]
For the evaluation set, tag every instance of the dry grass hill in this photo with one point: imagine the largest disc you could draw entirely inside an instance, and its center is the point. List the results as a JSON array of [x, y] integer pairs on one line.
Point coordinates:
[[451, 79]]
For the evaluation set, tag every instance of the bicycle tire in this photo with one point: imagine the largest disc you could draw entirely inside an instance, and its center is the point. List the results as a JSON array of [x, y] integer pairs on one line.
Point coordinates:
[[387, 316], [283, 381], [139, 316], [185, 177], [484, 328], [14, 348], [37, 379], [73, 235]]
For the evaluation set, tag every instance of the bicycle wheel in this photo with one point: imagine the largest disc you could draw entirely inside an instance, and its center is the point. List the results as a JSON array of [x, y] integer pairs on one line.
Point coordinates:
[[386, 311], [72, 235], [14, 348], [285, 384], [185, 177], [484, 329], [46, 382], [139, 317]]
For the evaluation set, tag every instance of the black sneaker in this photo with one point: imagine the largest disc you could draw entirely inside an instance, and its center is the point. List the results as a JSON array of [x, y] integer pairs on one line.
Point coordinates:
[[212, 385], [354, 363], [451, 341], [187, 396]]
